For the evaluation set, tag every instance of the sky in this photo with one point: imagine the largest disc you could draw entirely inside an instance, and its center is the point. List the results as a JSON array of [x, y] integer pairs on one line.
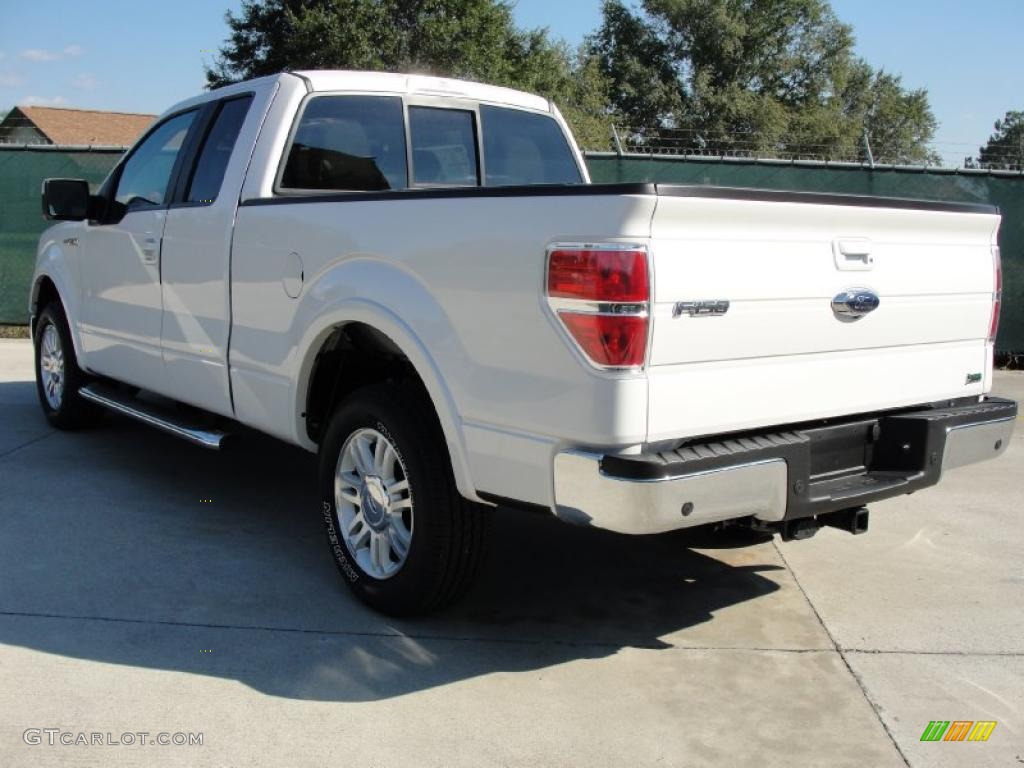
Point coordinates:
[[143, 56]]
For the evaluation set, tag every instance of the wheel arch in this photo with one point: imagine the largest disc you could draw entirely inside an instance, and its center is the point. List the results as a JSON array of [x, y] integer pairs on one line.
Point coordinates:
[[385, 338], [48, 287]]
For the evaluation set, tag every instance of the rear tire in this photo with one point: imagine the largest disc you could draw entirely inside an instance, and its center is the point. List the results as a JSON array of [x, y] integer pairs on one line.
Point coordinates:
[[404, 539], [58, 376]]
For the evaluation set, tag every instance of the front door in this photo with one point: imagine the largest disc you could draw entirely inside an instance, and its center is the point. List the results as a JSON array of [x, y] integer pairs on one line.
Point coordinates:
[[122, 306]]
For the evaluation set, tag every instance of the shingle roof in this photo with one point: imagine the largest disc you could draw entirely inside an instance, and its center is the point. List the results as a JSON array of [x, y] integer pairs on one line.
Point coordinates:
[[88, 127]]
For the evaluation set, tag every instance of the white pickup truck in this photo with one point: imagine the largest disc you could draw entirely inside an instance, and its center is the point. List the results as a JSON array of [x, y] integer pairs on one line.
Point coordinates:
[[414, 277]]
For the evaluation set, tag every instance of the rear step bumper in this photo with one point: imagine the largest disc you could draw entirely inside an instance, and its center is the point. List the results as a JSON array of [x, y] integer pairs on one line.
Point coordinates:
[[789, 473]]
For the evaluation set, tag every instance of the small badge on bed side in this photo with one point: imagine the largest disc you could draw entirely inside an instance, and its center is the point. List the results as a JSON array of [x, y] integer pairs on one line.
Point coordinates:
[[713, 307]]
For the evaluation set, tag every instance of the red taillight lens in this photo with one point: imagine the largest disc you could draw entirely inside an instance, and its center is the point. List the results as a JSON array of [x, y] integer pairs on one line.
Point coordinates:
[[618, 341], [598, 274], [601, 295], [997, 296]]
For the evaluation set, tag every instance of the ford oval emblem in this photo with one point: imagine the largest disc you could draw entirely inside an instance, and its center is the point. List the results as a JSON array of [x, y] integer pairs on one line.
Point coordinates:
[[854, 303]]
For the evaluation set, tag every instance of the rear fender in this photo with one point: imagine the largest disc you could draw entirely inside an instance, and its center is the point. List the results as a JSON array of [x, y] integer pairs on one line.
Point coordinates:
[[395, 303]]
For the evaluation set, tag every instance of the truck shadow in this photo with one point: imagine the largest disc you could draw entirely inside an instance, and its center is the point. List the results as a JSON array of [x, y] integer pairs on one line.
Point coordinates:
[[124, 546]]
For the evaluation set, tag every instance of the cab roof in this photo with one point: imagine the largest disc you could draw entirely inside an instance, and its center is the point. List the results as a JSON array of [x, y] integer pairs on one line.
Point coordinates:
[[328, 80], [411, 84]]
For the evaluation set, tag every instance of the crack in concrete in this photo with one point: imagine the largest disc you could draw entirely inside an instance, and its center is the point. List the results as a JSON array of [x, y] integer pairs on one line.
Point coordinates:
[[406, 636], [896, 652], [509, 641], [33, 441], [842, 655]]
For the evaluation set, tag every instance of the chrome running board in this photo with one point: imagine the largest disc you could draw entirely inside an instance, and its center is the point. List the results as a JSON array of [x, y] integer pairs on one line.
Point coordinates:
[[153, 415]]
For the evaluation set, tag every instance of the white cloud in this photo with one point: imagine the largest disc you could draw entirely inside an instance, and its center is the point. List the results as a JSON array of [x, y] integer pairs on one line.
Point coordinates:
[[10, 80], [40, 101], [85, 82], [40, 54]]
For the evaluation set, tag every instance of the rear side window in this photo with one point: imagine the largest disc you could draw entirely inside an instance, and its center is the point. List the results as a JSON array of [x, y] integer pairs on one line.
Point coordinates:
[[525, 148], [443, 147], [213, 158], [348, 143]]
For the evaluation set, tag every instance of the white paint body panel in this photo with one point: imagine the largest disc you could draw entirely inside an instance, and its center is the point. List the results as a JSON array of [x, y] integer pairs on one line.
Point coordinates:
[[121, 302], [467, 299], [251, 292], [779, 349]]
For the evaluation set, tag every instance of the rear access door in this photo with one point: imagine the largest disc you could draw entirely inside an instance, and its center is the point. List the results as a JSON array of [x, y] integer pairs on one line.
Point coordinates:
[[774, 308], [196, 250]]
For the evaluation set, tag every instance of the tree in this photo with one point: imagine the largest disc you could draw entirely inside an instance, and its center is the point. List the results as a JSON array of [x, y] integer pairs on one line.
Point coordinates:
[[900, 123], [756, 77], [471, 39], [1005, 147], [639, 67]]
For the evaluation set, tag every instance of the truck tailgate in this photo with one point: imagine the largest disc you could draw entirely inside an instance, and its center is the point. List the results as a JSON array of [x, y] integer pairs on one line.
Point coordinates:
[[781, 351]]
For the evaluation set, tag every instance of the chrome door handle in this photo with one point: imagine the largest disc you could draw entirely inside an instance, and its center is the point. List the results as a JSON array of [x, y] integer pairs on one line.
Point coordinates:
[[149, 247]]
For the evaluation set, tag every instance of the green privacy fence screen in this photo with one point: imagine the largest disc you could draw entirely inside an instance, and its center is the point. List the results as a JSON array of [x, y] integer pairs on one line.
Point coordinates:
[[1005, 190], [23, 169]]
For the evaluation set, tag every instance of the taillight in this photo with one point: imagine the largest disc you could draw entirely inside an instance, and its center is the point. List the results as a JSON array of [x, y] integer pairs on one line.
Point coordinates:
[[997, 294], [601, 294], [617, 341], [598, 274]]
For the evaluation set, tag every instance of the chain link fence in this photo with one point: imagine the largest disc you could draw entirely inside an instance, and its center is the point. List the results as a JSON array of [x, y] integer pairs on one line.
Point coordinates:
[[755, 145]]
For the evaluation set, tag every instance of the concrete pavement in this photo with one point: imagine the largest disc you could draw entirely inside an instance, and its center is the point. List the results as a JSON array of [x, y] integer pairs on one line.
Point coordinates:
[[129, 603]]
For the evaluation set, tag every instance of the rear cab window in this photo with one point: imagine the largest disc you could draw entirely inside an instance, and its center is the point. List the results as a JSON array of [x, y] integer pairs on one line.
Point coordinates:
[[525, 148], [358, 143], [444, 147]]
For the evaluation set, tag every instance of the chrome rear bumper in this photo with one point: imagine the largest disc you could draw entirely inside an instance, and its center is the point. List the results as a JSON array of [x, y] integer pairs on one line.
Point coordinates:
[[782, 475], [971, 443], [585, 495]]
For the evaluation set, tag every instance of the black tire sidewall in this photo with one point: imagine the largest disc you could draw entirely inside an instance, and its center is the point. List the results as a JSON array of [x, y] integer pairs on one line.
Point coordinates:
[[64, 415], [388, 410]]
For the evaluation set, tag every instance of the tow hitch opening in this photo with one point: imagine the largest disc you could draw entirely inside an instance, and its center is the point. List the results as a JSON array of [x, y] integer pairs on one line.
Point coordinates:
[[853, 520]]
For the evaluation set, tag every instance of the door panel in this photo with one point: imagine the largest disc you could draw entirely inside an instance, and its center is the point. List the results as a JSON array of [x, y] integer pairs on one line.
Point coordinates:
[[122, 311], [196, 249], [120, 323], [195, 306]]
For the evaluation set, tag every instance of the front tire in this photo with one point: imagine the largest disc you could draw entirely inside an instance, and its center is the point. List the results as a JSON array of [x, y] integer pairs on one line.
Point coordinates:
[[404, 539], [58, 376]]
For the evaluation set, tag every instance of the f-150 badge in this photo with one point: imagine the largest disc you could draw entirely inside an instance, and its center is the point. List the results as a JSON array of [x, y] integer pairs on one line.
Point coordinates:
[[700, 308]]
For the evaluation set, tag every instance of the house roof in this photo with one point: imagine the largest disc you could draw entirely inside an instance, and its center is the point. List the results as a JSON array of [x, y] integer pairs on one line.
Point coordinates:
[[88, 127]]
